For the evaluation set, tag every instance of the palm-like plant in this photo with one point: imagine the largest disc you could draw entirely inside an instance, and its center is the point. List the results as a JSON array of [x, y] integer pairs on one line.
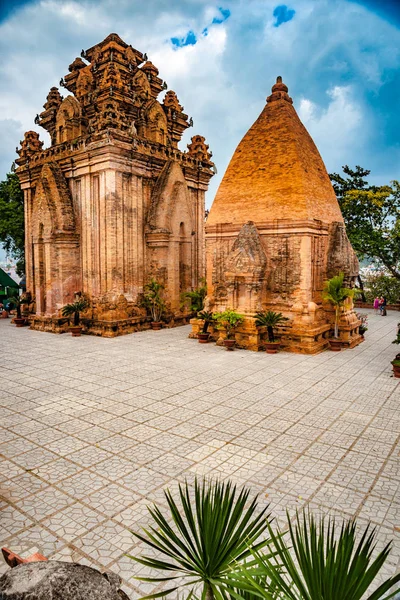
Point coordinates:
[[196, 297], [153, 299], [209, 536], [270, 320], [335, 293], [75, 309], [328, 564], [17, 302], [207, 317]]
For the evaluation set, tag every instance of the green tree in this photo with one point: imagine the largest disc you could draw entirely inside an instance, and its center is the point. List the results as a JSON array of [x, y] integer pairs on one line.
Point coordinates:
[[12, 231], [379, 284], [371, 215], [355, 180]]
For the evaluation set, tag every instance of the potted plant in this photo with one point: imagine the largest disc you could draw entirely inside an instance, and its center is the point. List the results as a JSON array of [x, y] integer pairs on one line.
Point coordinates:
[[396, 361], [229, 320], [17, 302], [154, 302], [74, 309], [26, 301], [396, 366], [364, 323], [270, 320], [397, 340], [195, 298], [335, 293], [207, 318]]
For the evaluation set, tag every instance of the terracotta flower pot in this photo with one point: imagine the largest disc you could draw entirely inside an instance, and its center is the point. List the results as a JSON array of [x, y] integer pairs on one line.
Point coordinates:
[[335, 344], [19, 322], [203, 338], [76, 331], [272, 347], [396, 371], [156, 325], [229, 344]]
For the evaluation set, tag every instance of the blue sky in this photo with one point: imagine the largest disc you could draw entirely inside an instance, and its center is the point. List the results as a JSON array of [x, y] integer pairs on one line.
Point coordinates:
[[340, 59]]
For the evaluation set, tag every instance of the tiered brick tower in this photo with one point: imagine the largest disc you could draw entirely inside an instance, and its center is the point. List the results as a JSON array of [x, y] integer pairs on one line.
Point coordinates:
[[275, 232], [113, 201]]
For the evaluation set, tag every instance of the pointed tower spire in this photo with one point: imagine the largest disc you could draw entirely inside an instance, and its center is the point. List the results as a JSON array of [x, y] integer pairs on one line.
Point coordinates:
[[276, 171], [279, 92]]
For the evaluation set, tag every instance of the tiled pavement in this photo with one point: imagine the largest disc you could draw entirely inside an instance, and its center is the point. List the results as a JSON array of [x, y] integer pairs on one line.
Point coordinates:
[[94, 429]]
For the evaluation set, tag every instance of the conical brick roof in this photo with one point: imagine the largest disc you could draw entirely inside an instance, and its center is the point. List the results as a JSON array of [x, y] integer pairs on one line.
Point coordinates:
[[276, 172]]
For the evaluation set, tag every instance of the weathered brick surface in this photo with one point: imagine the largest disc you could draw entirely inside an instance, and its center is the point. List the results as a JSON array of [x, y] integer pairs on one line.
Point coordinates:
[[113, 201], [276, 172], [275, 233]]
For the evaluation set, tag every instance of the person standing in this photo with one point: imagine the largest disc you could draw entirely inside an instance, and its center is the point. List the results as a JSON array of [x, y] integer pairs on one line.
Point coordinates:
[[383, 307], [376, 305]]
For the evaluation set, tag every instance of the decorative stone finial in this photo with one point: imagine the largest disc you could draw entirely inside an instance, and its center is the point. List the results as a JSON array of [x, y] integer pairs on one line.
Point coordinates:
[[199, 149], [279, 91], [30, 145]]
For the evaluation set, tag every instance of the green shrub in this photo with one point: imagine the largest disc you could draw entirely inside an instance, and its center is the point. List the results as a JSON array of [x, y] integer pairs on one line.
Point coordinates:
[[229, 320], [195, 299]]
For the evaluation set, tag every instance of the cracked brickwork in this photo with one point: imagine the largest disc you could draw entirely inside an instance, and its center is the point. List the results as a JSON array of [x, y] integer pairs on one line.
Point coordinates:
[[113, 201], [276, 196]]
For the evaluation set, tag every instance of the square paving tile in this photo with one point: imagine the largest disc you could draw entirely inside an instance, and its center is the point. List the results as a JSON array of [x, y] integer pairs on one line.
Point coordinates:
[[94, 431]]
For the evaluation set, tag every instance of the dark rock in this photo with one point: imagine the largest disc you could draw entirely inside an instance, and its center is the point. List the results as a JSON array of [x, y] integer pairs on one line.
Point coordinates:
[[55, 580]]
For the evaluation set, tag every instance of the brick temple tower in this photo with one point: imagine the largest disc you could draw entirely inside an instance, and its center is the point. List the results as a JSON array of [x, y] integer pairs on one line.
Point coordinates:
[[112, 201], [275, 232]]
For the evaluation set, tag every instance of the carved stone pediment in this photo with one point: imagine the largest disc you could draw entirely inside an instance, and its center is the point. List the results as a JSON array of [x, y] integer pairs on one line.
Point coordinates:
[[341, 256], [247, 256], [170, 202], [53, 207]]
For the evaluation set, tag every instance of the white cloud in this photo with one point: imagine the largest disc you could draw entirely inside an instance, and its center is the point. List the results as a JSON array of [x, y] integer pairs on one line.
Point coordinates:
[[68, 10], [224, 78], [336, 127], [11, 132]]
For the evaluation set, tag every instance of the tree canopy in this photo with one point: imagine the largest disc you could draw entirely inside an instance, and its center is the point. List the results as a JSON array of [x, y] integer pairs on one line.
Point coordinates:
[[371, 215], [12, 232]]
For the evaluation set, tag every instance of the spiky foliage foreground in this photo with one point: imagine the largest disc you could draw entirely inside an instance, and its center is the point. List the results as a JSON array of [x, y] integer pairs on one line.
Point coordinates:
[[323, 561], [204, 538]]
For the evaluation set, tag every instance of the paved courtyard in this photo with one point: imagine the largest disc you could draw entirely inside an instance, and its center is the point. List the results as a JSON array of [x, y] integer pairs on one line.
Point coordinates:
[[93, 429]]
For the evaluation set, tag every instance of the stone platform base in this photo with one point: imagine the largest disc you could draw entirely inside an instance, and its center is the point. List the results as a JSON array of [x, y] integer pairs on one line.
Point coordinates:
[[101, 328], [299, 338]]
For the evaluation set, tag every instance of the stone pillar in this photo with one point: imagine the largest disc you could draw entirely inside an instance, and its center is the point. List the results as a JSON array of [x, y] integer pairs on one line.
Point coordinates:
[[29, 259], [306, 275]]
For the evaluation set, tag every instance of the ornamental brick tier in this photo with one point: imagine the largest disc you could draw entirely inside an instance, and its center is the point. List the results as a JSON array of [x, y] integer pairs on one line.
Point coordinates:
[[113, 201], [275, 234]]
